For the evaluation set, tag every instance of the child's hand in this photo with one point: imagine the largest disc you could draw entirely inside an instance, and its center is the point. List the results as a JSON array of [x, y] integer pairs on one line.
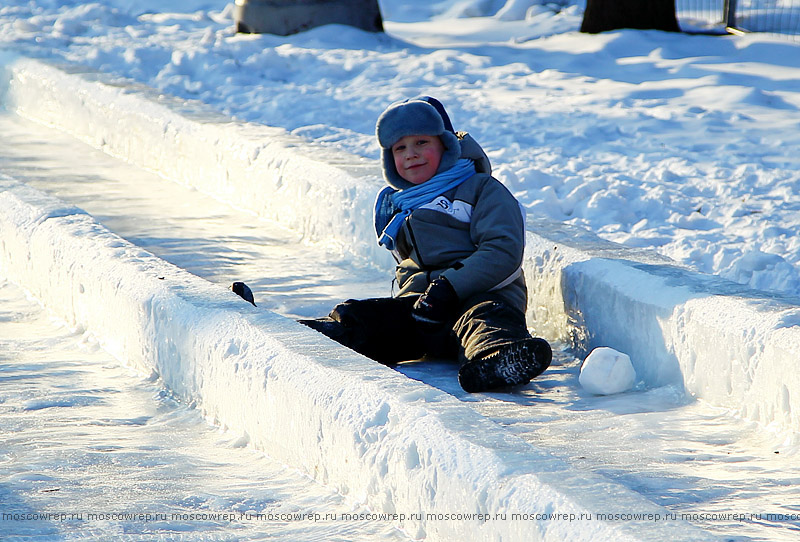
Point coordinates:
[[437, 305]]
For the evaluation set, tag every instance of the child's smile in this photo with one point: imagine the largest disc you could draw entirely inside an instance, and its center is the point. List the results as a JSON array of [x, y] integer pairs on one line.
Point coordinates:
[[417, 157]]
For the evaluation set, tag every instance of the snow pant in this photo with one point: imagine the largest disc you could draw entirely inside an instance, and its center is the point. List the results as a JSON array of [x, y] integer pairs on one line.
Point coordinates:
[[384, 329]]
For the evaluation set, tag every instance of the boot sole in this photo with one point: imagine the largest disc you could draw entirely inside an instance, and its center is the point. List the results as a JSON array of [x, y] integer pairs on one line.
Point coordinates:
[[511, 365]]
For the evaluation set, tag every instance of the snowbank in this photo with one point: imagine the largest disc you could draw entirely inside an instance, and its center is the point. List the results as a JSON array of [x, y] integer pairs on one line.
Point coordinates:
[[727, 345], [396, 444]]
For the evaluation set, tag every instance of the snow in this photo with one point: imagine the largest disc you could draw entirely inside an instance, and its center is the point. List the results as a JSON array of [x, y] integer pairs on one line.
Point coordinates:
[[589, 130], [606, 372], [678, 148]]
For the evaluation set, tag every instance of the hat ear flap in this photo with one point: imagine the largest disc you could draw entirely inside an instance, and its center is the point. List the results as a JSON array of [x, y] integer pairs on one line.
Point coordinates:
[[452, 151]]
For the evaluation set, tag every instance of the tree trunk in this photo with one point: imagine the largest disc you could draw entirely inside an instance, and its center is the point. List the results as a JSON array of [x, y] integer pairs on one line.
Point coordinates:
[[285, 17], [603, 15]]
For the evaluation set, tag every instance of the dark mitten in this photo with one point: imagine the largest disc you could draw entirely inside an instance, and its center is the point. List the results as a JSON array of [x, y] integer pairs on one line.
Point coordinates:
[[437, 305]]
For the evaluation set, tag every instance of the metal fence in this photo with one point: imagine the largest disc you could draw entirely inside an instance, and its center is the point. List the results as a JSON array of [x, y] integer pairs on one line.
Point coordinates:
[[770, 16]]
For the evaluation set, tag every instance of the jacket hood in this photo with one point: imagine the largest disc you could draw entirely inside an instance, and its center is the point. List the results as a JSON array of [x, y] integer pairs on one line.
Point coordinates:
[[471, 149]]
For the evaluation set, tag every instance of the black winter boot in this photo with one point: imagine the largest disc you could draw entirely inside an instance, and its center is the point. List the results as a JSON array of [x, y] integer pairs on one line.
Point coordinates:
[[330, 328], [510, 365]]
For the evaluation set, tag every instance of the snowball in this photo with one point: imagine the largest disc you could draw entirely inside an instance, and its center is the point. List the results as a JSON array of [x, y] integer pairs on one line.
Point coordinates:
[[606, 371]]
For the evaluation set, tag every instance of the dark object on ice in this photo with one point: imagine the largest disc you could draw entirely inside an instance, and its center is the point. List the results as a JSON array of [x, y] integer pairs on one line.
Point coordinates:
[[510, 365], [285, 17], [242, 290]]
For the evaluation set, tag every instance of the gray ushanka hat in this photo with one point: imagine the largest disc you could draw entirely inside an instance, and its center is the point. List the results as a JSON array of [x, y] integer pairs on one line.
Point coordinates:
[[422, 115]]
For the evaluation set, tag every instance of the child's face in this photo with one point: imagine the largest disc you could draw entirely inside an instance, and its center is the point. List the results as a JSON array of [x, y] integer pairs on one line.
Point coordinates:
[[417, 157]]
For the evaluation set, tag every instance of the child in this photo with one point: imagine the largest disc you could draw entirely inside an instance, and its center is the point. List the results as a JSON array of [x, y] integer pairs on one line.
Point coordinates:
[[457, 235]]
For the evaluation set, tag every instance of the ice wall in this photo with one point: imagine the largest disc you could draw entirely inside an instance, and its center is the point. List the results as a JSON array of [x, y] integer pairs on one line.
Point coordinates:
[[729, 345]]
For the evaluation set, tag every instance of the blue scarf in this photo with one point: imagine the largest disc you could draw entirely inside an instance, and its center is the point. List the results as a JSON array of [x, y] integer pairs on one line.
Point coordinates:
[[392, 207]]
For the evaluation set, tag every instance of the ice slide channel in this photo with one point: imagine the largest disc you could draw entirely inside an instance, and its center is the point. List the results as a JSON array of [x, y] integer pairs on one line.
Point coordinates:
[[364, 429], [682, 454], [732, 347]]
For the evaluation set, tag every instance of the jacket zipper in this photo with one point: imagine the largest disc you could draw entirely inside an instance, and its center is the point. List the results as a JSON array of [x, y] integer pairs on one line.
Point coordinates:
[[414, 242]]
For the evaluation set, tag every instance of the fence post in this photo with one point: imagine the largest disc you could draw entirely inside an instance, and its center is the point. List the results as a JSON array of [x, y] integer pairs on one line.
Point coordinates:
[[730, 14]]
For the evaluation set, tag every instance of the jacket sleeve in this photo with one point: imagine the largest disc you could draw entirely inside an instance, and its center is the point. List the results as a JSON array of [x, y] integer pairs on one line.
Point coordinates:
[[497, 229]]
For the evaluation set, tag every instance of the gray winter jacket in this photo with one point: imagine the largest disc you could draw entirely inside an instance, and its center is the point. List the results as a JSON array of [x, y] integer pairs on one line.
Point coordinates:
[[473, 235]]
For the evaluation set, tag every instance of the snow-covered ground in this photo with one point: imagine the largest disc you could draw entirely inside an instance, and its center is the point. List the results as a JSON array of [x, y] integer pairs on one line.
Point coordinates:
[[626, 133], [683, 144]]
